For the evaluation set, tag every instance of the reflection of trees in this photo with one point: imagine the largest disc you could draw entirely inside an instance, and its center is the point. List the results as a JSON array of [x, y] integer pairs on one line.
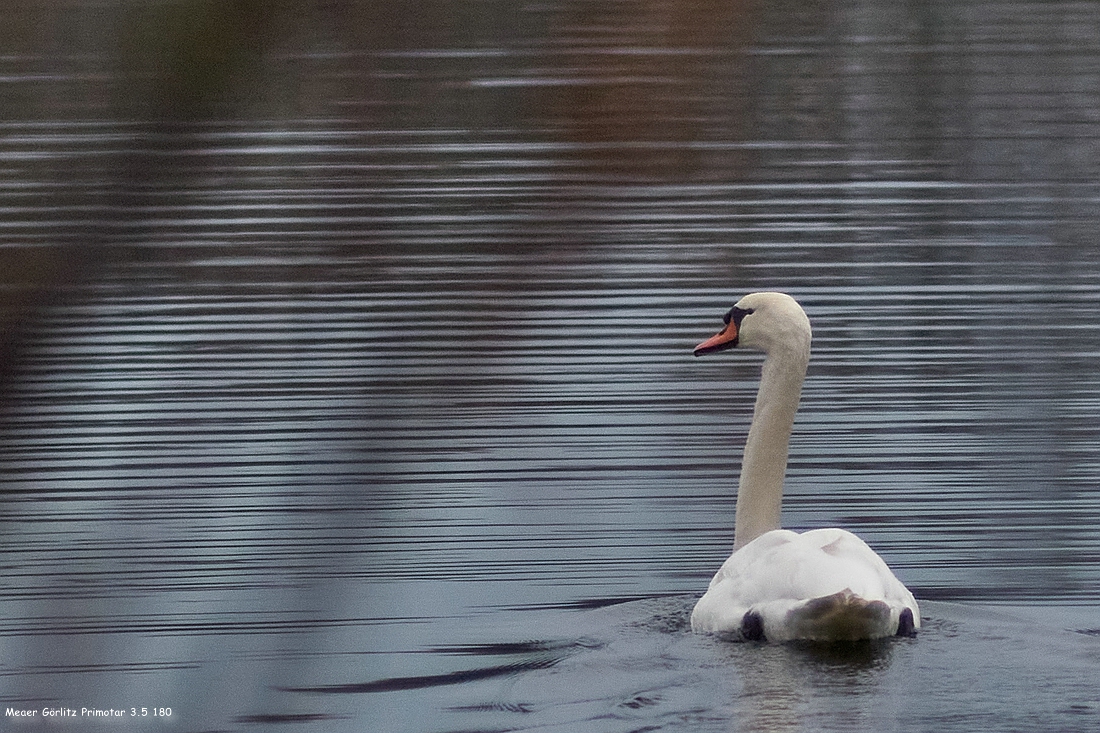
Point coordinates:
[[643, 89], [620, 87], [141, 69]]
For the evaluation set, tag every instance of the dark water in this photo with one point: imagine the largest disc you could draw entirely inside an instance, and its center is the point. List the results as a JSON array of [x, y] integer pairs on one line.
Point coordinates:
[[375, 408]]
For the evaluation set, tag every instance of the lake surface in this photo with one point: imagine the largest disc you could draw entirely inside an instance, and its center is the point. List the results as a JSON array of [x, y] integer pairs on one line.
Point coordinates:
[[375, 409]]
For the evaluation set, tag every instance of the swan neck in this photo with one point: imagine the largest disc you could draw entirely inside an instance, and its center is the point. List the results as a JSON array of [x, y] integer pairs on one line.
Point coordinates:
[[760, 490]]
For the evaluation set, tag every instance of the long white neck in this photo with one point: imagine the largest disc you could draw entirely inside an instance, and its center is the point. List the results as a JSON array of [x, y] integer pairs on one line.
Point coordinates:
[[760, 491]]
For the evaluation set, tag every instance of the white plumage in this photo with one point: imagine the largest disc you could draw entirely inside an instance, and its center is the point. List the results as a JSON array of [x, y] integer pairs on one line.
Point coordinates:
[[825, 584]]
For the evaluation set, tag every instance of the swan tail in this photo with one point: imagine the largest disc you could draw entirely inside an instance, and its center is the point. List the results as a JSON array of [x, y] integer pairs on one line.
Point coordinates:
[[842, 616]]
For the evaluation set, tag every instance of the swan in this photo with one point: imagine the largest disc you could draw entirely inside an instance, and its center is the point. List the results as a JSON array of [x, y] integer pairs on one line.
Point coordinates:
[[778, 585]]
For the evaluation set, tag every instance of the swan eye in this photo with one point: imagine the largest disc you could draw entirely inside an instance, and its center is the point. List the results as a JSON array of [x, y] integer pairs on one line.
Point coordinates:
[[736, 314]]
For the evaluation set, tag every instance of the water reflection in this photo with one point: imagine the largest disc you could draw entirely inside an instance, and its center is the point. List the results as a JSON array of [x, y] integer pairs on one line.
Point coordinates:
[[781, 684], [336, 398]]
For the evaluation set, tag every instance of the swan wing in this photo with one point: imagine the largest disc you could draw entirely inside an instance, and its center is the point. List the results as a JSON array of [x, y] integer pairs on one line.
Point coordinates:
[[822, 584]]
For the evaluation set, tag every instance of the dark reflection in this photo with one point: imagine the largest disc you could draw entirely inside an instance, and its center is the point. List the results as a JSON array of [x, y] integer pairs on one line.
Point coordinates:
[[849, 657], [642, 97], [418, 682], [286, 718], [781, 681], [533, 655]]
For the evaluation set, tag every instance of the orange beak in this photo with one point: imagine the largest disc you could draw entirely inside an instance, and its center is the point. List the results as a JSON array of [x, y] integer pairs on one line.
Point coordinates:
[[726, 339]]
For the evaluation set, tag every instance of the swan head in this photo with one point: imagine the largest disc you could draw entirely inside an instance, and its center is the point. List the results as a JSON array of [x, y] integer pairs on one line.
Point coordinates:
[[762, 322]]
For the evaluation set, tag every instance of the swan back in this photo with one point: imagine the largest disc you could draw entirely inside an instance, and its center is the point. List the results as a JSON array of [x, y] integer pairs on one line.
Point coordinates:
[[825, 584]]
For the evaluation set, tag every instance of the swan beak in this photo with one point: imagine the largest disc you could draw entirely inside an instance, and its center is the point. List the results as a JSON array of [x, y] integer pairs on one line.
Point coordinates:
[[726, 339]]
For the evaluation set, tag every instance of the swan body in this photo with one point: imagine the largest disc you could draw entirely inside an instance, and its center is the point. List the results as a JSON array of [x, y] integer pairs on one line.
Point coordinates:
[[778, 585], [821, 585]]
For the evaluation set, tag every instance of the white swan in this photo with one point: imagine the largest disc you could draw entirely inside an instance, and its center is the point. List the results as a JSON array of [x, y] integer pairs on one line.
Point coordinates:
[[825, 584]]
